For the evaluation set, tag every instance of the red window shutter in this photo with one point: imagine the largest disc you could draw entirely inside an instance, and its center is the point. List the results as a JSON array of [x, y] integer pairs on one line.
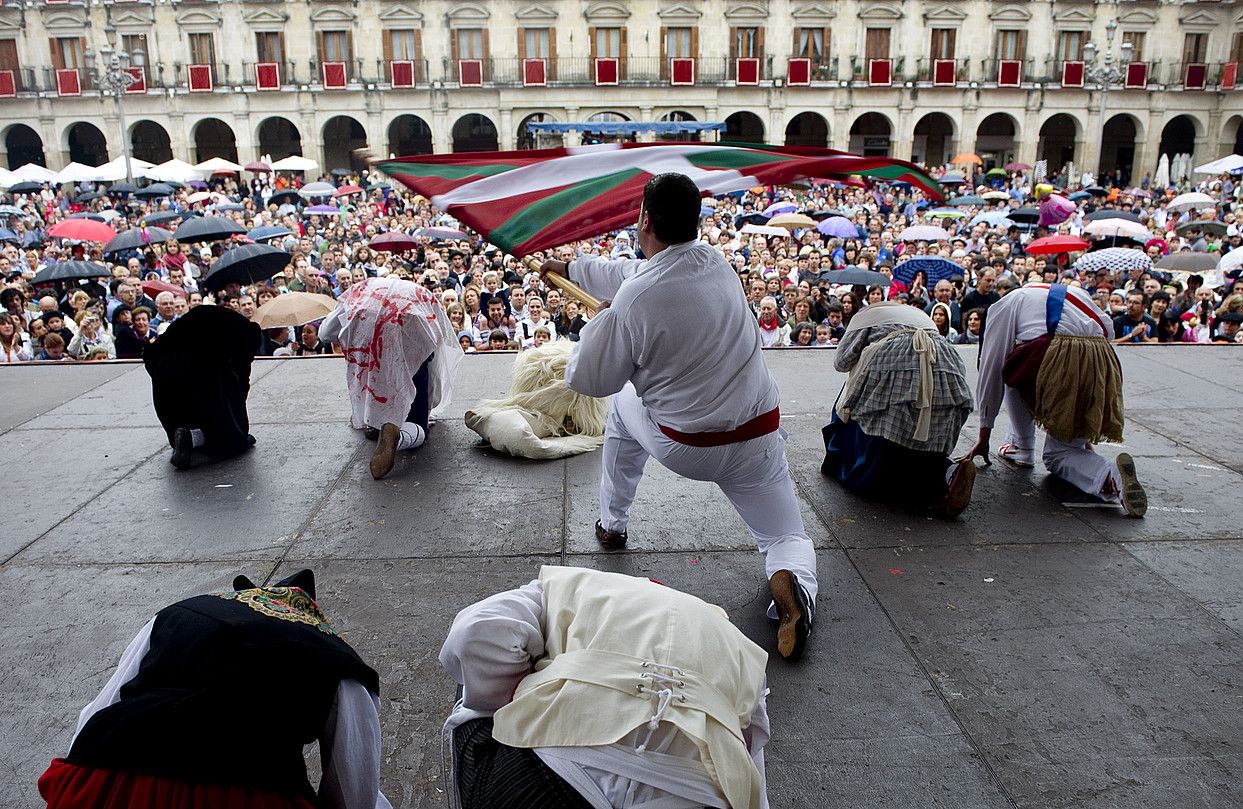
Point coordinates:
[[1072, 74], [267, 76], [1136, 75], [798, 71], [8, 84]]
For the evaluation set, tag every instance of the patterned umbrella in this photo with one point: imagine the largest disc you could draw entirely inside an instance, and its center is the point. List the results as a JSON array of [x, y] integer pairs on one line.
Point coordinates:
[[934, 269], [1114, 259], [924, 233]]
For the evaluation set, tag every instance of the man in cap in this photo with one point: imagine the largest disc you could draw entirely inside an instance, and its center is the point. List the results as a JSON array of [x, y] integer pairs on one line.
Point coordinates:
[[705, 415], [212, 704]]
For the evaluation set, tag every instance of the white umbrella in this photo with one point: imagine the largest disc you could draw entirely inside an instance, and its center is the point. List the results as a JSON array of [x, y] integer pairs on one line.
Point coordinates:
[[924, 233], [1222, 165], [294, 163], [1162, 180], [217, 164], [1231, 261], [317, 190], [764, 230], [1192, 201], [1104, 228], [76, 173], [177, 171], [34, 173]]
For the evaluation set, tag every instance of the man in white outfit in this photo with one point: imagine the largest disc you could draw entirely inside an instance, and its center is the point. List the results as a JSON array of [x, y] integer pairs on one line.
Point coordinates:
[[706, 414], [1076, 394]]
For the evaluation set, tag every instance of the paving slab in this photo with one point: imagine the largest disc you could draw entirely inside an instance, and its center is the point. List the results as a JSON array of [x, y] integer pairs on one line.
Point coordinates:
[[1085, 679], [29, 390], [1209, 572]]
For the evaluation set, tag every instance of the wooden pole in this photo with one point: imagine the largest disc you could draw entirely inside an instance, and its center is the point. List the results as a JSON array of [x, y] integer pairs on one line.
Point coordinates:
[[567, 286]]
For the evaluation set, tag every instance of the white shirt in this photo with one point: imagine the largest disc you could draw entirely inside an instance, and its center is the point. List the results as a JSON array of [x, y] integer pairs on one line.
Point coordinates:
[[679, 328], [492, 646], [1017, 318]]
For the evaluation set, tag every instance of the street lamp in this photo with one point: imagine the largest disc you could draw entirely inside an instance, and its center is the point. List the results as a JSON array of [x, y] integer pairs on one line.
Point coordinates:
[[111, 73], [1105, 75]]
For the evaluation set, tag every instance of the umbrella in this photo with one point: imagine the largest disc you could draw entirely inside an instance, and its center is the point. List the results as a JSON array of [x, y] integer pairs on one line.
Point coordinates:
[[1052, 245], [25, 187], [838, 226], [293, 309], [155, 287], [262, 234], [855, 276], [934, 269], [1188, 262], [1231, 261], [295, 163], [341, 172], [996, 219], [1024, 215], [764, 230], [122, 189], [208, 229], [750, 219], [780, 207], [945, 213], [1103, 228], [71, 271], [1111, 213], [967, 200], [327, 210], [996, 196], [1114, 259], [317, 190], [440, 234], [346, 190], [12, 210], [7, 235], [1191, 201], [199, 196], [394, 242], [257, 167], [83, 230], [161, 217], [217, 165], [952, 178], [285, 197], [966, 159], [155, 190], [1162, 178], [792, 221], [1223, 165], [136, 238], [246, 265], [1097, 191], [1203, 225], [1138, 192], [1078, 195], [89, 196], [995, 173], [1018, 167], [228, 206], [924, 233]]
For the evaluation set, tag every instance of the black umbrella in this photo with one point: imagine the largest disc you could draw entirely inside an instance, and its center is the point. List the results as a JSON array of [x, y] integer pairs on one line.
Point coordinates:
[[1097, 191], [1022, 215], [136, 239], [246, 265], [207, 229], [856, 276], [341, 172], [281, 197], [1188, 262], [121, 189], [27, 187], [161, 217], [71, 271], [970, 199], [1111, 213], [1203, 225], [155, 190], [825, 213], [750, 219], [173, 184]]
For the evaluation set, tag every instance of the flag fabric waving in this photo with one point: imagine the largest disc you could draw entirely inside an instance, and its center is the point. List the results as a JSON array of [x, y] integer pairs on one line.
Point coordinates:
[[531, 200]]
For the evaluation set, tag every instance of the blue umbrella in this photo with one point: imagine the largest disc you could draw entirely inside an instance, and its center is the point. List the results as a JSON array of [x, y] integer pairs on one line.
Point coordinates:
[[1078, 195], [935, 269], [7, 235], [328, 210], [856, 276], [780, 207], [267, 232], [706, 210], [838, 226]]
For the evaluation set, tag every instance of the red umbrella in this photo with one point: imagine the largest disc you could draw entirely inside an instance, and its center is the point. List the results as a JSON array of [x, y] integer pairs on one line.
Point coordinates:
[[258, 167], [154, 288], [393, 242], [83, 230], [1052, 245], [1017, 167], [346, 190]]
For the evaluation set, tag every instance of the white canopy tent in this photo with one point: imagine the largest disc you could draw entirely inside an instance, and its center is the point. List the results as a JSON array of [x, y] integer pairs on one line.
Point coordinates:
[[294, 163], [217, 164], [1222, 165], [33, 172], [115, 169], [177, 171], [77, 173]]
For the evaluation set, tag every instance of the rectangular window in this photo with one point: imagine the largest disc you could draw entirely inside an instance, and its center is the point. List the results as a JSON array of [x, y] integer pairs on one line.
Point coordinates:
[[403, 45], [746, 43], [1236, 48], [1070, 46], [270, 46], [202, 49], [876, 44], [335, 46], [678, 43], [811, 43], [1195, 46], [469, 43], [1136, 38], [607, 43], [535, 43], [943, 42], [8, 55], [67, 53], [1011, 44]]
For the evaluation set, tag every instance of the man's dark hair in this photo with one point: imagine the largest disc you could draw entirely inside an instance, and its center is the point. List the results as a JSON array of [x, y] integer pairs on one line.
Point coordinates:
[[10, 294], [671, 201]]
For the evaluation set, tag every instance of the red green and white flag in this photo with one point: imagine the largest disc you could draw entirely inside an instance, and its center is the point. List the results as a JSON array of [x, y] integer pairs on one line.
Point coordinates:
[[526, 201]]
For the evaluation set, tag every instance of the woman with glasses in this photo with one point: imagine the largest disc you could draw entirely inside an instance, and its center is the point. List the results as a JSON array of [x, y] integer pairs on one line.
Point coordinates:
[[90, 336]]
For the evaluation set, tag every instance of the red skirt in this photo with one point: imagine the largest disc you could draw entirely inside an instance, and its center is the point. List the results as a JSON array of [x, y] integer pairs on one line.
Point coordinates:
[[68, 786]]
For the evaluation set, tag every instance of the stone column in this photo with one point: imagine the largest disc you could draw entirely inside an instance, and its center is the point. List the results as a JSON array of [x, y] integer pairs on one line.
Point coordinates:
[[506, 136]]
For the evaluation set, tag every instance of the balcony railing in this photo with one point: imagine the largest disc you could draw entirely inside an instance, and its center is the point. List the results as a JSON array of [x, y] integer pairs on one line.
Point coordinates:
[[941, 72]]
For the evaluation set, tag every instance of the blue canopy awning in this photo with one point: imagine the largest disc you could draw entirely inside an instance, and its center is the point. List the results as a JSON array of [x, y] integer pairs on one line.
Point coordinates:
[[628, 127]]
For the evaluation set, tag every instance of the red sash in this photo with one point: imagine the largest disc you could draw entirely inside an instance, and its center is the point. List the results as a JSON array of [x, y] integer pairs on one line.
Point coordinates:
[[762, 424]]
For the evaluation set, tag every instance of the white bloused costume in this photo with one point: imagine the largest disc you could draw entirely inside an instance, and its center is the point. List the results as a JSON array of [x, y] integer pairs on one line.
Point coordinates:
[[650, 351]]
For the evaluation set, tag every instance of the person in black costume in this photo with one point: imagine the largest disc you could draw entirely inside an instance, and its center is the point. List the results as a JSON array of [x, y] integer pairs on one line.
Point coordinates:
[[200, 376]]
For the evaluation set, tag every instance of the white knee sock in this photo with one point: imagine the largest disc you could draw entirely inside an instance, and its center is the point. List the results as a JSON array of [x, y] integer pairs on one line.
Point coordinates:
[[412, 436], [196, 438]]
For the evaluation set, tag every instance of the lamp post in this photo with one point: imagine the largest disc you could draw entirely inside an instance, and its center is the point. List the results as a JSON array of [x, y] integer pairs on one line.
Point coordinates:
[[1103, 76], [111, 73]]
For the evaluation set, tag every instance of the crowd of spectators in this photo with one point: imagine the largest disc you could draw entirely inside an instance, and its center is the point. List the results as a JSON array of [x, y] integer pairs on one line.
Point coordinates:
[[497, 303]]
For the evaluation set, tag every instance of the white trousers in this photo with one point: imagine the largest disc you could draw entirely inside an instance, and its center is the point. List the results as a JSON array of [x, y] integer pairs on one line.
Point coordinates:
[[1074, 461], [753, 474]]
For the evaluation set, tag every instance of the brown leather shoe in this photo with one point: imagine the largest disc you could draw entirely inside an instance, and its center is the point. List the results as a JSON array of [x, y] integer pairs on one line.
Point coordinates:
[[958, 495], [794, 614], [385, 454], [611, 540]]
